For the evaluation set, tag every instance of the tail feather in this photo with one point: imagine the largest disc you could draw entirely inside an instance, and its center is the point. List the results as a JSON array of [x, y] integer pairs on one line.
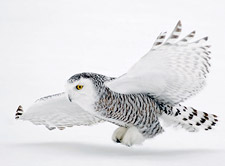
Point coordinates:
[[189, 118]]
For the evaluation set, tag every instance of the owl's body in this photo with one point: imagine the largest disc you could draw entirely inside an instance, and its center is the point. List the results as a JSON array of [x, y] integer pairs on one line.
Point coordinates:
[[126, 110], [150, 91], [139, 110]]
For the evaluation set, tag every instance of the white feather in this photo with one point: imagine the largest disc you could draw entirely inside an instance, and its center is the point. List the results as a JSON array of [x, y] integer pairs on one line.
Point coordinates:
[[172, 72], [57, 111]]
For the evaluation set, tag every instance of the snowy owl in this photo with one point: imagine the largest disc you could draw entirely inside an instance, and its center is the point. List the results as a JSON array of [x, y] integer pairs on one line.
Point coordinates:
[[138, 101]]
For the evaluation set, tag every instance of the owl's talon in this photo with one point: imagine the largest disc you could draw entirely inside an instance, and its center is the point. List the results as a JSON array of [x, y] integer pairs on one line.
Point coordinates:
[[119, 134], [118, 141]]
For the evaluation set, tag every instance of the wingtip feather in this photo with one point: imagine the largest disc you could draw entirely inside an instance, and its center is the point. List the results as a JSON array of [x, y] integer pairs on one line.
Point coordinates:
[[19, 112]]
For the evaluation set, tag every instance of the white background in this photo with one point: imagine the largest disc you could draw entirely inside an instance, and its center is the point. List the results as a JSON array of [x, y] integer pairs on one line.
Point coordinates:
[[44, 42]]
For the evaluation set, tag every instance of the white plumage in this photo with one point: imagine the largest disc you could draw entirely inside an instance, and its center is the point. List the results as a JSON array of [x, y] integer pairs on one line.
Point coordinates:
[[56, 111], [172, 71]]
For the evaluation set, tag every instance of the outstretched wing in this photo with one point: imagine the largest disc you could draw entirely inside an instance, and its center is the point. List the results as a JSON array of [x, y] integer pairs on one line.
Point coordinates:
[[171, 71], [56, 111]]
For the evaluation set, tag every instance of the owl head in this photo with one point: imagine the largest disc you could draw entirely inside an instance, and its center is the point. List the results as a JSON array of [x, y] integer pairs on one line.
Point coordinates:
[[84, 89]]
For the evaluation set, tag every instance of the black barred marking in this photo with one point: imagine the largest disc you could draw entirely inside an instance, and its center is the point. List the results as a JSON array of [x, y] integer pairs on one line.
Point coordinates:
[[213, 124], [203, 48], [136, 122], [194, 110], [190, 116], [61, 128], [209, 127], [158, 43], [198, 124], [178, 30], [216, 120], [206, 38], [19, 112], [206, 53], [188, 37], [206, 117], [195, 113], [190, 124], [162, 37], [20, 107], [205, 114], [174, 36], [185, 119], [191, 35], [202, 120], [184, 40], [178, 112], [178, 24], [214, 116]]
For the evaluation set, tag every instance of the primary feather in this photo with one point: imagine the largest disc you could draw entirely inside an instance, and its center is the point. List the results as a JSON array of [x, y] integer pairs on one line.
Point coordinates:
[[171, 71], [55, 111]]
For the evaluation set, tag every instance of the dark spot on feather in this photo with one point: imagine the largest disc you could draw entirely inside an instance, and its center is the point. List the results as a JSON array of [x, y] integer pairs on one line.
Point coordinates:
[[209, 127], [191, 35], [195, 110], [213, 124], [178, 112], [178, 30], [214, 116], [194, 113], [203, 48], [206, 53], [162, 37], [206, 117], [198, 124], [184, 40], [184, 119], [202, 120], [205, 38], [158, 43], [190, 116], [205, 114], [216, 120], [174, 36]]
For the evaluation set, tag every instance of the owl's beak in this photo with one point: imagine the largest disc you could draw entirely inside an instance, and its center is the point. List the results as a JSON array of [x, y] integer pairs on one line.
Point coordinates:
[[69, 98]]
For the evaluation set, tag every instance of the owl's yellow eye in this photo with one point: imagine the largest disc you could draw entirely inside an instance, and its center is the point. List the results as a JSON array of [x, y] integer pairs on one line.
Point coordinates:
[[79, 87]]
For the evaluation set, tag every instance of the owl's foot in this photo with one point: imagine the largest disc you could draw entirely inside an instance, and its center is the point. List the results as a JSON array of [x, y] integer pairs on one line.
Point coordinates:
[[118, 134], [132, 137]]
